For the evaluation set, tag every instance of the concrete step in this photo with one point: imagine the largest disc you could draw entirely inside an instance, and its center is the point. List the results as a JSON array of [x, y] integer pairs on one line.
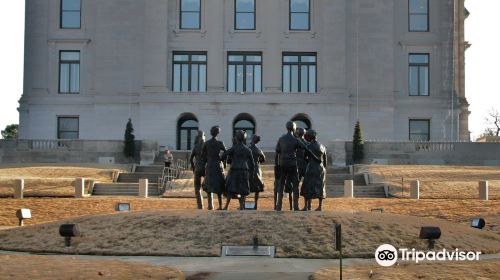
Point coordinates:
[[122, 189], [134, 177], [149, 169], [359, 191], [338, 179]]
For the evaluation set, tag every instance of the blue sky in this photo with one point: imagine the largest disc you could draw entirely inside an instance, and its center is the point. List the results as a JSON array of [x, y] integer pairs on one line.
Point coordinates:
[[482, 60]]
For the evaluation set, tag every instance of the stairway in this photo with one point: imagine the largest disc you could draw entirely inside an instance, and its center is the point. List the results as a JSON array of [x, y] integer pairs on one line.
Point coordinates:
[[127, 184], [335, 184]]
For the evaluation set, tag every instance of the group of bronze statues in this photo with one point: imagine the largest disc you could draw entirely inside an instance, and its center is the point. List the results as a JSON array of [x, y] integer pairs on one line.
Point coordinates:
[[299, 158]]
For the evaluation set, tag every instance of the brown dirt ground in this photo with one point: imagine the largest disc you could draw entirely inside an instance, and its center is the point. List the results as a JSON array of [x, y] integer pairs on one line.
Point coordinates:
[[202, 233], [55, 181], [436, 181], [484, 270], [45, 268], [53, 209]]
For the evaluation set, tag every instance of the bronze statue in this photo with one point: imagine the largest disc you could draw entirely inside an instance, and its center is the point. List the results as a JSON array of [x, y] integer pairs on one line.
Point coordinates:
[[198, 167], [301, 157], [214, 169], [313, 186], [286, 158], [256, 181], [242, 166]]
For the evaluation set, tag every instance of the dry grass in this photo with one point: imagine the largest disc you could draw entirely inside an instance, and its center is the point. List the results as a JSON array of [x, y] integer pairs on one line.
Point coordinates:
[[54, 181], [437, 181], [45, 268], [484, 270], [201, 233]]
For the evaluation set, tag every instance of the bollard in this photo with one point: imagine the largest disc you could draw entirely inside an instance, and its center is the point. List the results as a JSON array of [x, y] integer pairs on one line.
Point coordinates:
[[143, 188], [415, 189], [80, 188], [349, 188], [19, 189], [483, 190]]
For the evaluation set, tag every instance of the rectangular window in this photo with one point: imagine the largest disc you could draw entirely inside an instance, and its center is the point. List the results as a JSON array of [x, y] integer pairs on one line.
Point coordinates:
[[418, 15], [244, 15], [418, 74], [190, 14], [299, 72], [67, 127], [70, 14], [190, 72], [244, 72], [300, 14], [69, 72], [420, 130]]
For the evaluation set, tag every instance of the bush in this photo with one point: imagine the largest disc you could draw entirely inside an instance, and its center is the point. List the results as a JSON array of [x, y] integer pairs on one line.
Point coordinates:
[[357, 144]]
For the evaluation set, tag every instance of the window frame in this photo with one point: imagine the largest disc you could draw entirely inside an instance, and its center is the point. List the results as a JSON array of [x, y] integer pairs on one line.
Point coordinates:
[[70, 62], [180, 17], [180, 122], [61, 12], [190, 63], [428, 129], [248, 118], [410, 14], [59, 131], [299, 64], [254, 16], [245, 63], [420, 65], [290, 17]]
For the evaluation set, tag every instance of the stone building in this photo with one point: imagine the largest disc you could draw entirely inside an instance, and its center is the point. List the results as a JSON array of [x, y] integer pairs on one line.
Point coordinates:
[[176, 66]]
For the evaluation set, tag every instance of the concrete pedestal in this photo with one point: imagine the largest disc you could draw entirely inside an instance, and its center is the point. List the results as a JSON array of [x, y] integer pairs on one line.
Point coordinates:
[[19, 189], [415, 189], [349, 188], [483, 190], [143, 188], [80, 188]]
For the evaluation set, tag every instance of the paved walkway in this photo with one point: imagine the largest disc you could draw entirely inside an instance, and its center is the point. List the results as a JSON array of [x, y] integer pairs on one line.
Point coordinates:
[[241, 268]]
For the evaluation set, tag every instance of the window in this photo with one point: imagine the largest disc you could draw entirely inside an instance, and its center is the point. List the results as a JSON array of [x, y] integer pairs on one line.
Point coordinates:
[[70, 14], [190, 15], [418, 15], [302, 121], [300, 14], [244, 15], [190, 72], [244, 72], [69, 72], [67, 127], [187, 130], [418, 74], [246, 123], [299, 72], [420, 130]]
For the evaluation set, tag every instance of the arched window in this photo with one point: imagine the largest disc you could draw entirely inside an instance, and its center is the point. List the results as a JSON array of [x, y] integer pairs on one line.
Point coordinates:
[[246, 123], [187, 129], [302, 121]]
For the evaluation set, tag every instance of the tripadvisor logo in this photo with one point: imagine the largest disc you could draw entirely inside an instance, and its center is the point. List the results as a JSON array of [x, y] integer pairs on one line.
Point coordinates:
[[387, 255]]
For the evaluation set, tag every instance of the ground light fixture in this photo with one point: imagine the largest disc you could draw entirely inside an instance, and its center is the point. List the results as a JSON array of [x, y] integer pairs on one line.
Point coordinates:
[[478, 223], [23, 214], [431, 234], [123, 207], [67, 231], [381, 210], [338, 245]]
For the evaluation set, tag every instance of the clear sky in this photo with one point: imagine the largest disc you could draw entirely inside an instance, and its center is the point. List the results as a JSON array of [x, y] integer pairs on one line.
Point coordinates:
[[482, 60]]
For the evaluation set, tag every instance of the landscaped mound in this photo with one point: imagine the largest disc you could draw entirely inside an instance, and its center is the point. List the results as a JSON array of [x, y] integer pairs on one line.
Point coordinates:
[[190, 233], [54, 181], [44, 267]]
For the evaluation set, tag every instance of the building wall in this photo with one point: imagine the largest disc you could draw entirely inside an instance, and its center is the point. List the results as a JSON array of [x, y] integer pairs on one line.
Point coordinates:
[[126, 69]]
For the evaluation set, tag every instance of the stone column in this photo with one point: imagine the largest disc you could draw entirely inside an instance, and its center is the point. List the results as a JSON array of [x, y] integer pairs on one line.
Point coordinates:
[[19, 189], [349, 188], [415, 189], [143, 188], [483, 190], [80, 188]]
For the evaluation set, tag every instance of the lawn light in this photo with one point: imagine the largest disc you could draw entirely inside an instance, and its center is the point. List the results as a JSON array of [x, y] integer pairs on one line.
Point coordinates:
[[123, 207], [338, 244], [67, 231], [431, 234], [478, 223], [381, 210], [23, 214]]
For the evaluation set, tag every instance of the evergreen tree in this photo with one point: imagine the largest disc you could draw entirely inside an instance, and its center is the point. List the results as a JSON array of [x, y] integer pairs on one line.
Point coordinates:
[[129, 149], [357, 144], [10, 131]]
